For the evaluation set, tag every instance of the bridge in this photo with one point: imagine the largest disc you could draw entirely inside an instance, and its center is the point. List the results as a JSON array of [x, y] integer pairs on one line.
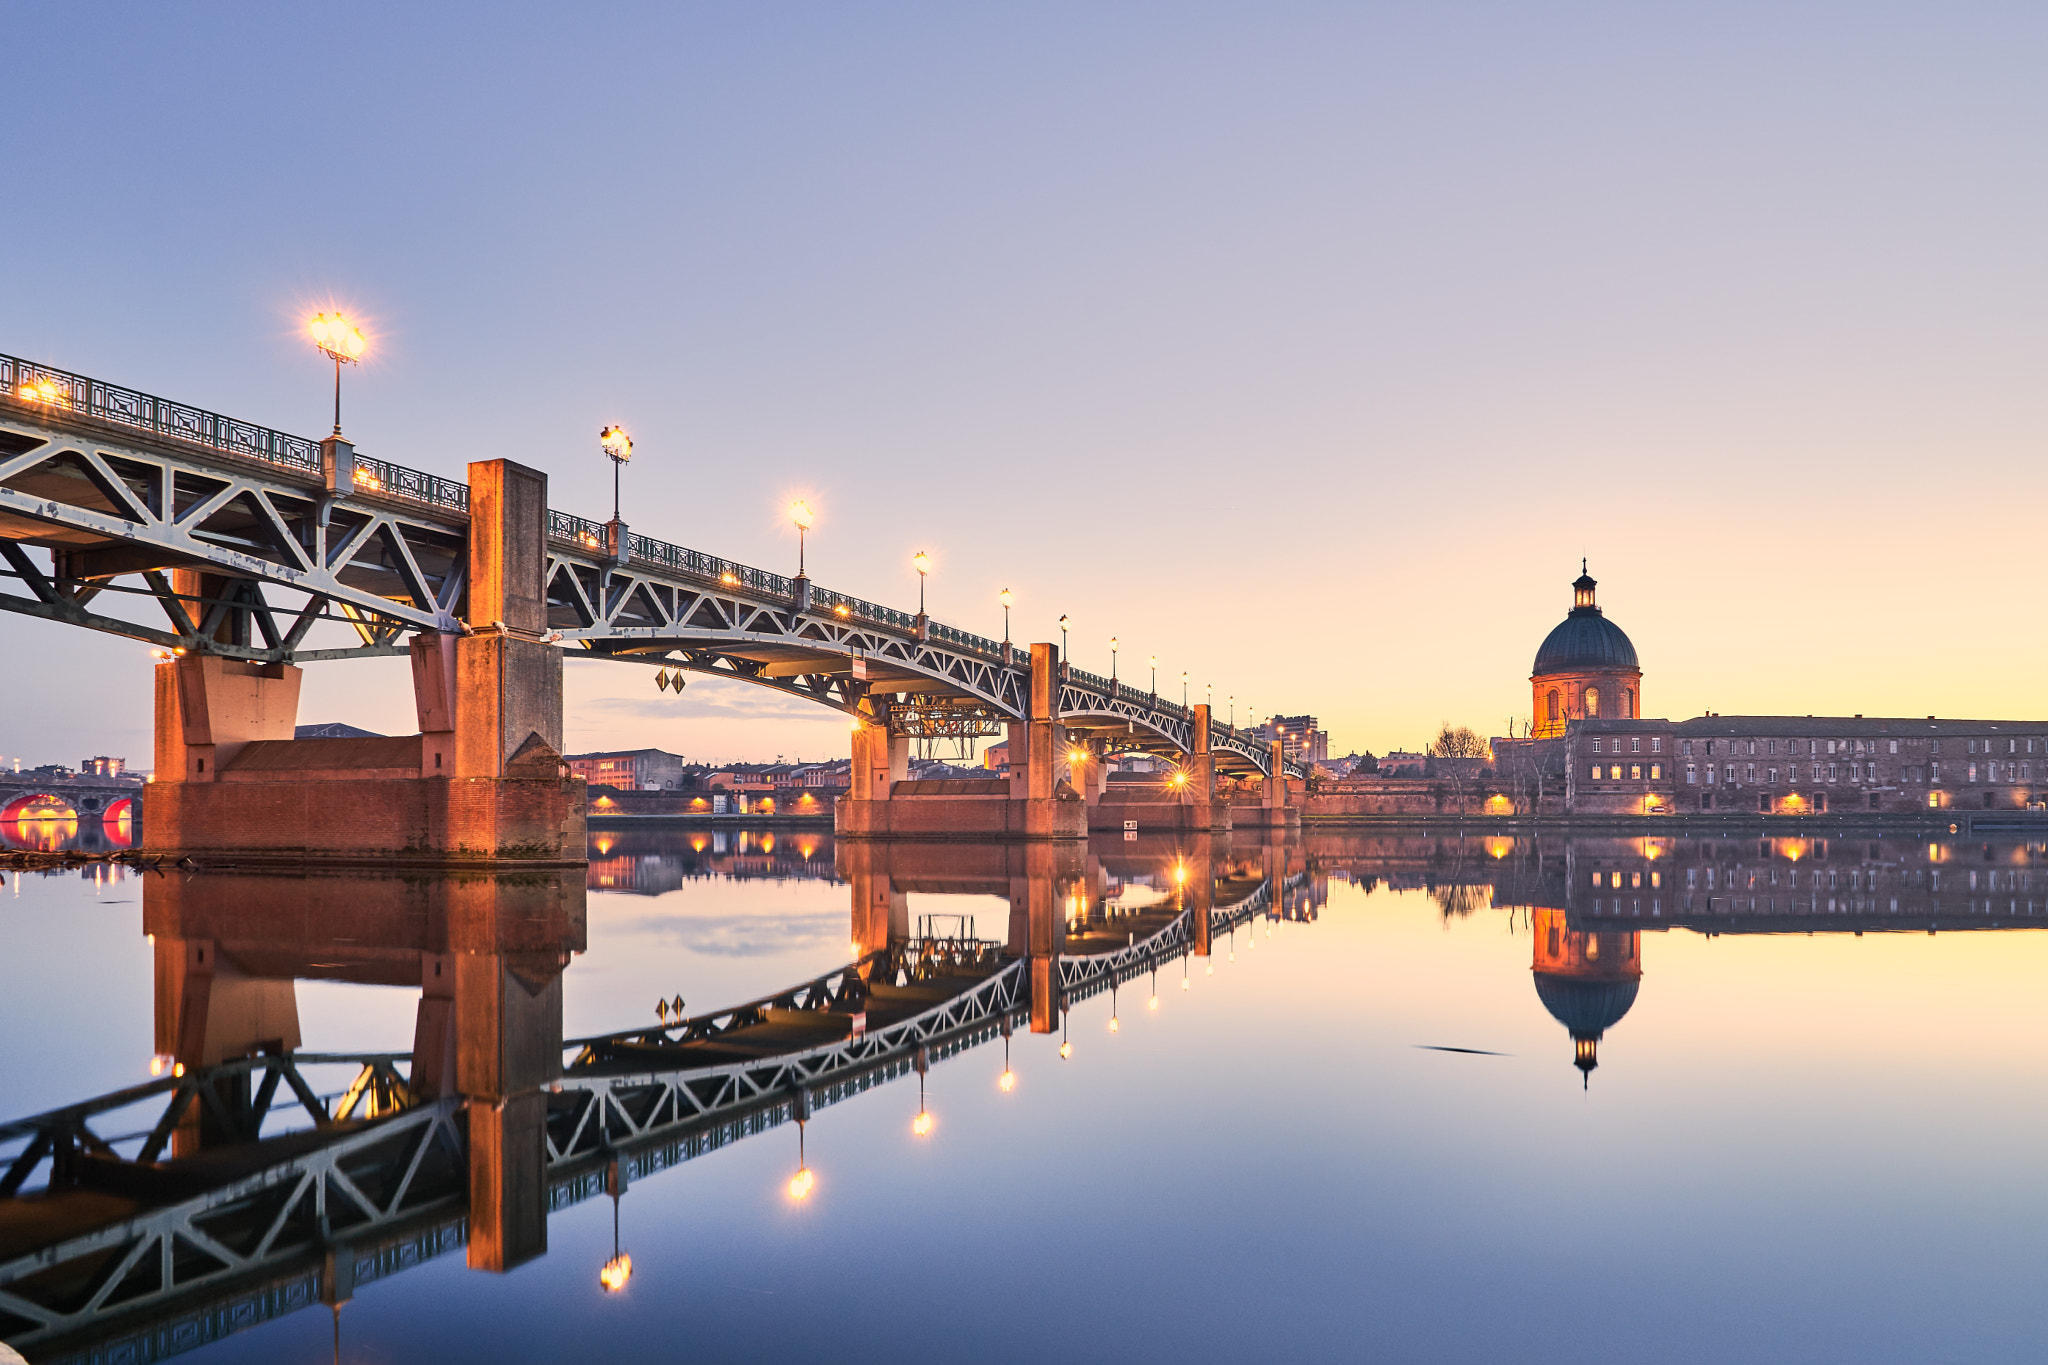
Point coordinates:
[[255, 1178], [262, 551]]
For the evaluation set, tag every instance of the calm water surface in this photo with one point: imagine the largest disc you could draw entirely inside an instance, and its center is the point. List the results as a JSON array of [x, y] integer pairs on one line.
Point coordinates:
[[1439, 1099]]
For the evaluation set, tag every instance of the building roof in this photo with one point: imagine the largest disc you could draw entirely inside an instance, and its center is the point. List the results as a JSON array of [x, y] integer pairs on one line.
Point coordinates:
[[1585, 639], [622, 753], [1825, 727], [333, 729], [1587, 1008]]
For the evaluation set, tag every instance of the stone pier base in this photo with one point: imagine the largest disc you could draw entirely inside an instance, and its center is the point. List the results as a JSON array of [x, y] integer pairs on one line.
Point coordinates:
[[960, 817], [1162, 817]]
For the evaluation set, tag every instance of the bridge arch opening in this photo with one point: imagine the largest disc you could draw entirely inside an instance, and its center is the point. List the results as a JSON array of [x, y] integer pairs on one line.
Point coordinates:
[[37, 806]]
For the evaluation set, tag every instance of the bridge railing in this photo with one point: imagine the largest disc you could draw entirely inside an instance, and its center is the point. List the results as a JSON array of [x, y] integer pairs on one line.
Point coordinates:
[[24, 381], [395, 480]]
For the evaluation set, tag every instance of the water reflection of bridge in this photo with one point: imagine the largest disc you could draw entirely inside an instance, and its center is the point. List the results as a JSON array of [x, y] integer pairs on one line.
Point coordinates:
[[257, 1178]]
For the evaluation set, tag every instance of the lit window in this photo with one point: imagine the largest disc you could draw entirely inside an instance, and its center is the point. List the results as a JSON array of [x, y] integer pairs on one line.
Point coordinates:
[[1614, 773], [1596, 772], [1593, 701], [1656, 772], [1635, 772]]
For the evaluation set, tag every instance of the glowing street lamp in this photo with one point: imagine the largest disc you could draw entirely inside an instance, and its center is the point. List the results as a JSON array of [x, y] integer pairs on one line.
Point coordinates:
[[922, 562], [1006, 598], [1155, 675], [341, 341], [618, 448], [1183, 690], [800, 513], [1112, 661], [1063, 640]]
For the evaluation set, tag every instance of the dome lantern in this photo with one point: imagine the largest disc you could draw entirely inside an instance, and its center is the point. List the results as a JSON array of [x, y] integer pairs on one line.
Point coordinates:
[[1582, 591]]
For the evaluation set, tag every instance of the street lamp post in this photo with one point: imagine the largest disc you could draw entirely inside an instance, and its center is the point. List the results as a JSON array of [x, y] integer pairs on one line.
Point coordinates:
[[1063, 646], [1183, 691], [1112, 662], [800, 513], [342, 342], [1155, 676], [1006, 599], [922, 562], [618, 448]]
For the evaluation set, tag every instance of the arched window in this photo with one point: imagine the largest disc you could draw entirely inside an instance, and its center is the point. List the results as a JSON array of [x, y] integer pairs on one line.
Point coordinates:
[[1592, 702], [1628, 703], [1551, 702]]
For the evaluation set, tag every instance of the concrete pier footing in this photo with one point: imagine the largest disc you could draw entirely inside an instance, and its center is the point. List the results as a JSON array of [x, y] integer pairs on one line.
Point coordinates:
[[482, 782]]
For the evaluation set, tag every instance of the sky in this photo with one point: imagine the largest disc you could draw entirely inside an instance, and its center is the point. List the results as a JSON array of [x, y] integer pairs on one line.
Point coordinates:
[[1306, 347]]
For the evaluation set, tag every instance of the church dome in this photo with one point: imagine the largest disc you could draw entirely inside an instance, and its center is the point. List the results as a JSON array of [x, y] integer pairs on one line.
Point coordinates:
[[1585, 640]]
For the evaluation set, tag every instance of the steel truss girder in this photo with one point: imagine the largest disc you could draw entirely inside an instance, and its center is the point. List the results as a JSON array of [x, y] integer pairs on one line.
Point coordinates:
[[677, 620], [674, 620], [162, 502]]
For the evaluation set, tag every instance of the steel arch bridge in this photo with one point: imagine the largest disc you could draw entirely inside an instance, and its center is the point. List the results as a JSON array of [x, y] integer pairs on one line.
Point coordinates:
[[373, 1181], [278, 536]]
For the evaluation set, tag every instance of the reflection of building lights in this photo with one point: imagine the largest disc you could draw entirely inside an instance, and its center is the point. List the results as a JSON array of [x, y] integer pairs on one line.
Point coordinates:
[[802, 1183]]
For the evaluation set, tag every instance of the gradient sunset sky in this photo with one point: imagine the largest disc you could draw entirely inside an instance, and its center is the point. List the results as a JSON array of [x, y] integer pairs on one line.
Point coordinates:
[[1307, 347]]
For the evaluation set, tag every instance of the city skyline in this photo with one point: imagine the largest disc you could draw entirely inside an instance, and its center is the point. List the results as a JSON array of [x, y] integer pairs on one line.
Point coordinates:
[[1317, 389]]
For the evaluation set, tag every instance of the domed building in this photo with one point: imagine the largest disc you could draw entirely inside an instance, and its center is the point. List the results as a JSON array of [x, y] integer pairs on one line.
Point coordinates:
[[1587, 981], [1586, 668]]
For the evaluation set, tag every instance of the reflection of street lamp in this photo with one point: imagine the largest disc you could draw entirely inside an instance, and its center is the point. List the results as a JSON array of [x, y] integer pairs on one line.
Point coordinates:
[[342, 342], [801, 1183], [800, 513], [618, 448], [1006, 599], [922, 562], [619, 1269], [921, 1126]]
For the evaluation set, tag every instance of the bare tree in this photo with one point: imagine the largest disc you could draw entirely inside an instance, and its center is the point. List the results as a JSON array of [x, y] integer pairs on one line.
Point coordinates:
[[1466, 751]]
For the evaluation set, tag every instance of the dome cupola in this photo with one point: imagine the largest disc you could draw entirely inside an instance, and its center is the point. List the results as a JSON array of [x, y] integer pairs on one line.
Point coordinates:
[[1586, 667]]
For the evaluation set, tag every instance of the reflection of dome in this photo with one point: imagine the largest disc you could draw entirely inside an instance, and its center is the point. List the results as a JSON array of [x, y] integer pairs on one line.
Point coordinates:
[[1586, 1008], [1585, 640]]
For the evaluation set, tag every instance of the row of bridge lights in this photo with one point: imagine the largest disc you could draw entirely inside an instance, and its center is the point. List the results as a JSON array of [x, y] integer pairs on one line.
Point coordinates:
[[616, 1272], [339, 338]]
